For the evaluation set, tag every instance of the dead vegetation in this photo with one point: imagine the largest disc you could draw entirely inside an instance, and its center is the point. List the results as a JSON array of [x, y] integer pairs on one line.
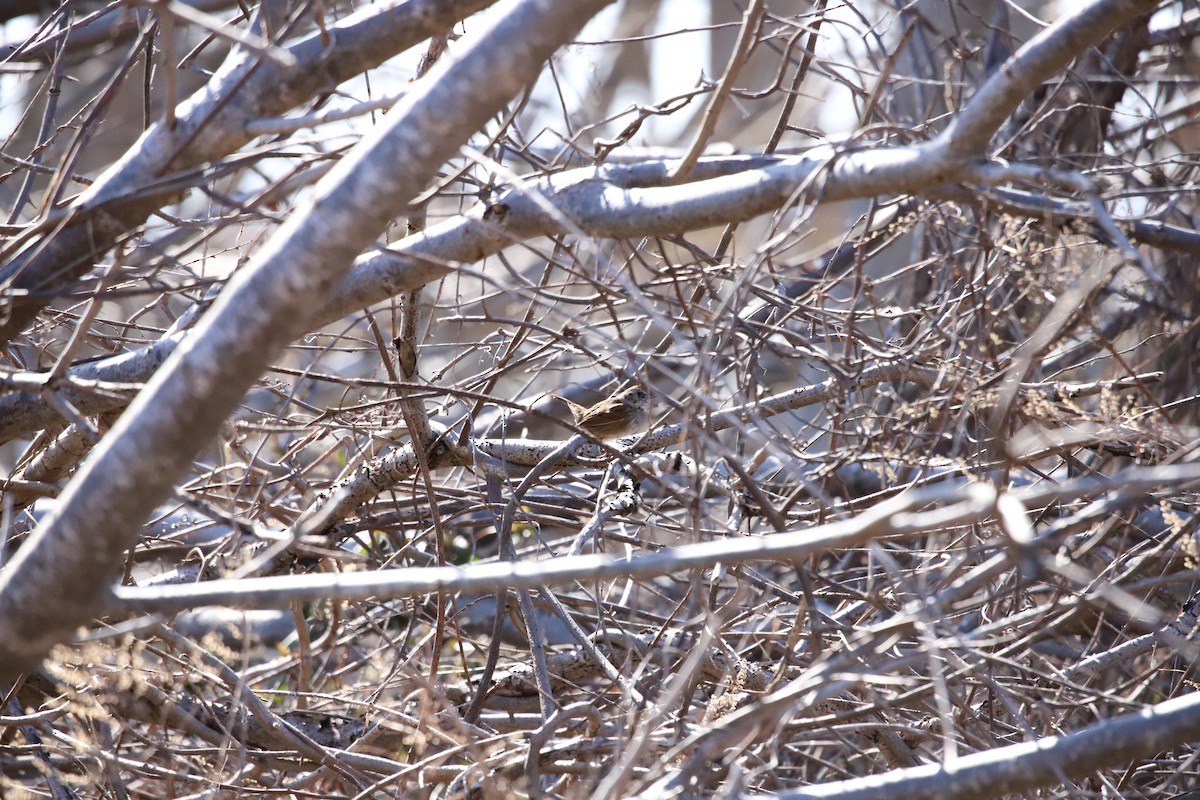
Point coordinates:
[[919, 487]]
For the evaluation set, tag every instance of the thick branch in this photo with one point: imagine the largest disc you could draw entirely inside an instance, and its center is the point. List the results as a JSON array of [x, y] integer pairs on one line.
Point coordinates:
[[634, 201], [267, 305], [209, 125], [1021, 767], [970, 133]]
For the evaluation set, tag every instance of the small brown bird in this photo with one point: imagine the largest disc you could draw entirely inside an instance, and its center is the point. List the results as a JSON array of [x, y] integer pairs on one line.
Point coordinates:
[[625, 412]]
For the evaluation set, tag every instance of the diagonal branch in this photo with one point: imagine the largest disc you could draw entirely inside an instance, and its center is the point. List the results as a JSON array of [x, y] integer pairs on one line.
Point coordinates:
[[265, 307], [211, 124]]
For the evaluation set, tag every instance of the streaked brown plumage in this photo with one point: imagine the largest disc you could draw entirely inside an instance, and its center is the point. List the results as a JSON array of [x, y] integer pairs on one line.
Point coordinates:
[[625, 412]]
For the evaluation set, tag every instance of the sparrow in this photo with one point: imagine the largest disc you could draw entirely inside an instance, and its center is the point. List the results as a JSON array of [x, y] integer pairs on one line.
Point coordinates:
[[625, 412]]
